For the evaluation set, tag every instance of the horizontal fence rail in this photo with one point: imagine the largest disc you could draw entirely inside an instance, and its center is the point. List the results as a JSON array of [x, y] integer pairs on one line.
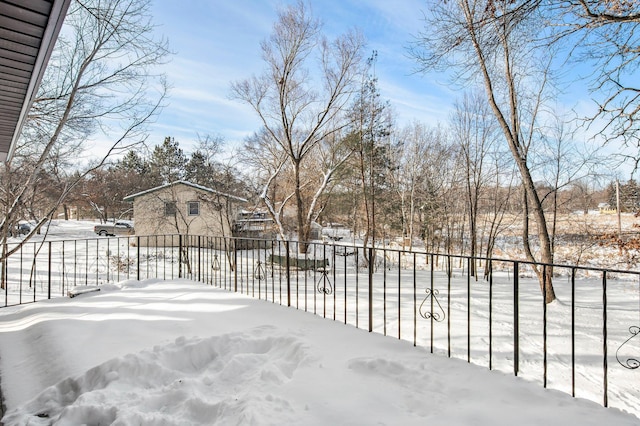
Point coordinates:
[[489, 312]]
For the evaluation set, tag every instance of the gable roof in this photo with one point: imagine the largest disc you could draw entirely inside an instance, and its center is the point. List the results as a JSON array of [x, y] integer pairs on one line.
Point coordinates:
[[186, 183], [28, 32]]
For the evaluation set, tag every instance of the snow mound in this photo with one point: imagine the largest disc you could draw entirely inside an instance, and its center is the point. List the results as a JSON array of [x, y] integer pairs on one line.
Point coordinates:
[[231, 378]]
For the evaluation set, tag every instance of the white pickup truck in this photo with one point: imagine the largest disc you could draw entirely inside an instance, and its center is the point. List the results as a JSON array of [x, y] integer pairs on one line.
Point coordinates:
[[118, 228]]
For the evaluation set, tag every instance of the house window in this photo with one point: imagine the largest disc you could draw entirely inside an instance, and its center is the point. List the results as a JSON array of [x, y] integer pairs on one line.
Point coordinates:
[[170, 208], [193, 207]]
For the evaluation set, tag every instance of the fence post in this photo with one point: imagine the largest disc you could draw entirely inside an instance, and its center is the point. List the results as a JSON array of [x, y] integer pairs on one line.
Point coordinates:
[[86, 262], [516, 316], [108, 260], [232, 244], [470, 261], [605, 379], [573, 332], [49, 274], [199, 257], [286, 249], [98, 260], [137, 256], [5, 270], [371, 260], [544, 329], [180, 256]]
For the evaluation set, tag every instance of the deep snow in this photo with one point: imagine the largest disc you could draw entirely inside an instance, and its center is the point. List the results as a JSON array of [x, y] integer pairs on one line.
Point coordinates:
[[183, 353]]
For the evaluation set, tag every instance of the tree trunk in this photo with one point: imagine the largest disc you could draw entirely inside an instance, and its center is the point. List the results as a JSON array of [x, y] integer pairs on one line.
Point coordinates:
[[511, 131], [303, 226], [546, 251]]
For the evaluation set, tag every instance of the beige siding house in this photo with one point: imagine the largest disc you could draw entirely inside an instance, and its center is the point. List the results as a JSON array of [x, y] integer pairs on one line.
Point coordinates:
[[182, 208]]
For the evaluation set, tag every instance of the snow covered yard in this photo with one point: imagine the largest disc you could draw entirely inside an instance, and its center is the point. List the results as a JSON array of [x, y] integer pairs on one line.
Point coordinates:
[[178, 352]]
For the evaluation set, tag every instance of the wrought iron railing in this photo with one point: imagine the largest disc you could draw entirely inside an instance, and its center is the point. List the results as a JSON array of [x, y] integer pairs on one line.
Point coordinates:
[[489, 312]]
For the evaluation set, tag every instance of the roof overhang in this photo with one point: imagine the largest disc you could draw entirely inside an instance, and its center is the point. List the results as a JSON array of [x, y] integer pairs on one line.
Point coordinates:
[[28, 32], [131, 198]]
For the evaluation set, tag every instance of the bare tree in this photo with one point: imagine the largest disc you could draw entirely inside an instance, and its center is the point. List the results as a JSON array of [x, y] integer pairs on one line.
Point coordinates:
[[100, 80], [430, 172], [268, 163], [475, 132], [491, 40], [497, 200], [412, 153], [605, 34], [421, 159], [205, 167], [560, 163], [300, 97]]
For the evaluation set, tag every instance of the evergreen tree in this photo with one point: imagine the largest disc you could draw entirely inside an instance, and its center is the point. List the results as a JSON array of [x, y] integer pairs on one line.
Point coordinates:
[[199, 169], [168, 162], [372, 123], [136, 173], [629, 196]]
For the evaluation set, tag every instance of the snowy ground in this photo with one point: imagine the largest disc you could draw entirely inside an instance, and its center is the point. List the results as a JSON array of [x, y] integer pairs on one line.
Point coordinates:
[[49, 343], [178, 352]]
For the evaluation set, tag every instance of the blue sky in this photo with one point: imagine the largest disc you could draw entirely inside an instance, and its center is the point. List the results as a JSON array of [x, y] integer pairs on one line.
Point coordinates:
[[217, 42]]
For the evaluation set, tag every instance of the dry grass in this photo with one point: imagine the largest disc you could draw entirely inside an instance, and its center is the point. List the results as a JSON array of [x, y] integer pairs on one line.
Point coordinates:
[[581, 239]]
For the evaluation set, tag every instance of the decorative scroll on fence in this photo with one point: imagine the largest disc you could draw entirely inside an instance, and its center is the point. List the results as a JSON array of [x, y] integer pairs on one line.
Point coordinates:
[[215, 264], [630, 362], [324, 283], [432, 297], [259, 273]]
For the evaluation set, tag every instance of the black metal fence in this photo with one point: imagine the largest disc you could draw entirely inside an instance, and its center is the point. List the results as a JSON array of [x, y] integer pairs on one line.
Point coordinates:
[[489, 312]]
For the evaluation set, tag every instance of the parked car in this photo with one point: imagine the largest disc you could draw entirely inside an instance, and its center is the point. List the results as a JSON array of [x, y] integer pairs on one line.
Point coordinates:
[[24, 228], [20, 229], [118, 228]]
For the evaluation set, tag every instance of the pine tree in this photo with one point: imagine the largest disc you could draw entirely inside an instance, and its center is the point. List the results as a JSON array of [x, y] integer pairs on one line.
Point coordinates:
[[168, 162], [200, 170]]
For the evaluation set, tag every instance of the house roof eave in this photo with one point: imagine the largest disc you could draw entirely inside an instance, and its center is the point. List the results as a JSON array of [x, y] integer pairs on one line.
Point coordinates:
[[132, 197], [24, 59]]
